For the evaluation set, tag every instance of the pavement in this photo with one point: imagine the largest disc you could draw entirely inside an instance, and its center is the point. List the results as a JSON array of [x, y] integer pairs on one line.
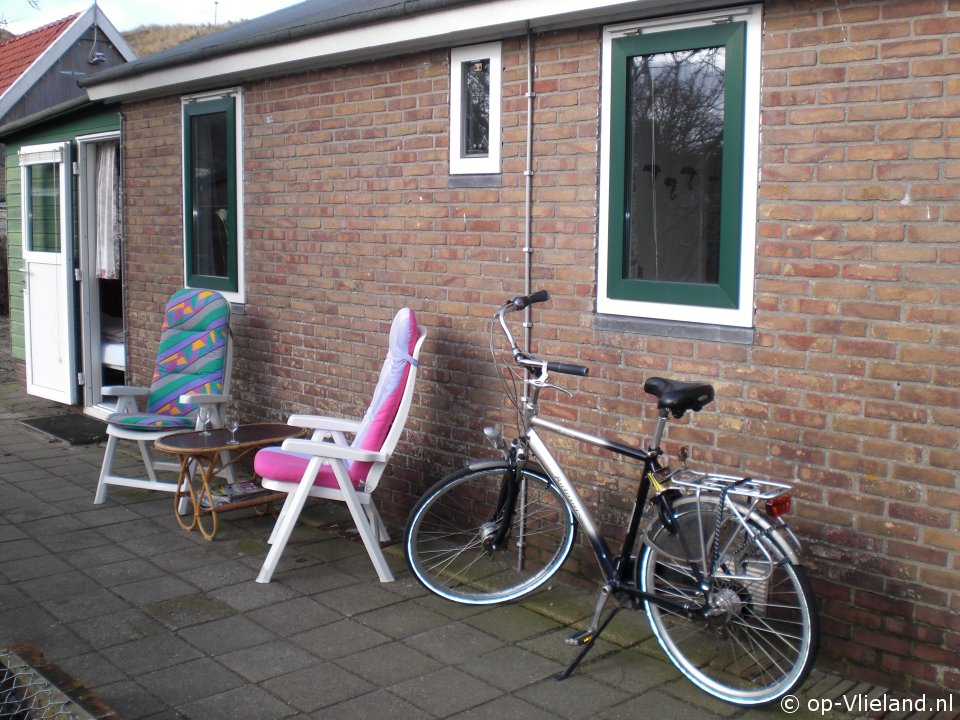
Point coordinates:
[[158, 623]]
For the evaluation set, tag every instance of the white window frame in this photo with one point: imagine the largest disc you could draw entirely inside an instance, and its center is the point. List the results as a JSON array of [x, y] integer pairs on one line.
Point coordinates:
[[741, 316], [237, 95], [460, 165]]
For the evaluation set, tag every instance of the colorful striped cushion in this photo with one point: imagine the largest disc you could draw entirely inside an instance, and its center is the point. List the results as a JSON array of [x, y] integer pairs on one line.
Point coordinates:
[[191, 359], [277, 464]]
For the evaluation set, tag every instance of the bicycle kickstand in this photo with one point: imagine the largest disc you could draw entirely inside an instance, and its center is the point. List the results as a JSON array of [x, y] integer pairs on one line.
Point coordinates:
[[585, 638]]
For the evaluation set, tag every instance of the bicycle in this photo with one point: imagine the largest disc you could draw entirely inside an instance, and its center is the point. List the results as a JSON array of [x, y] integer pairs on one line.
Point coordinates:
[[717, 570]]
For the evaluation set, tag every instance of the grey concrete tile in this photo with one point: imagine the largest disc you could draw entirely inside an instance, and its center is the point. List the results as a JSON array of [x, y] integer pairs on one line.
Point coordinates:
[[218, 574], [402, 619], [339, 639], [65, 584], [154, 590], [244, 702], [132, 701], [82, 606], [576, 697], [505, 708], [117, 628], [317, 687], [387, 665], [151, 653], [181, 684], [357, 598], [453, 643], [92, 669], [253, 595], [511, 623], [445, 692], [226, 634], [511, 668], [294, 616], [312, 578], [124, 572], [262, 662], [187, 610], [379, 704], [34, 567]]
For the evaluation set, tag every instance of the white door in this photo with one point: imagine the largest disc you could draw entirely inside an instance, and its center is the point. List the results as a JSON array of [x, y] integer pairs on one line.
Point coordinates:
[[102, 349], [48, 275]]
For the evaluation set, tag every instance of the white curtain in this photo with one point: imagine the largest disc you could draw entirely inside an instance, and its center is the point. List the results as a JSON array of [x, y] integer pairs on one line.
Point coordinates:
[[108, 229]]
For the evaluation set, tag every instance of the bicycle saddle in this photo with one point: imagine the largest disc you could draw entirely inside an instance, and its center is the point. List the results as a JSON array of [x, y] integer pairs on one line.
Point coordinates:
[[678, 397]]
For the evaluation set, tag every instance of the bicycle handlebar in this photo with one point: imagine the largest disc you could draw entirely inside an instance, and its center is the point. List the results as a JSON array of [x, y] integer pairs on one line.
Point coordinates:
[[524, 358]]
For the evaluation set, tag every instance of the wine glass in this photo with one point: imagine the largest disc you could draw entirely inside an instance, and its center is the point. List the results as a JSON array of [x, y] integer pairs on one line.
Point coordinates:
[[204, 415], [231, 421]]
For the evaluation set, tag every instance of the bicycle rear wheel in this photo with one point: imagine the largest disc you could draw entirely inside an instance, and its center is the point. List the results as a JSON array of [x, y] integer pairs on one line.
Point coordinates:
[[447, 537], [759, 637]]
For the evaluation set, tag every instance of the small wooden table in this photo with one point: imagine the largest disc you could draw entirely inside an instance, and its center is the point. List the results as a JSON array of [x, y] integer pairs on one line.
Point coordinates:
[[207, 450]]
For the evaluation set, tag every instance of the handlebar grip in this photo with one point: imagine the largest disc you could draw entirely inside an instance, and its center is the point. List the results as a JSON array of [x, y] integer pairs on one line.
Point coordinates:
[[521, 301], [568, 369]]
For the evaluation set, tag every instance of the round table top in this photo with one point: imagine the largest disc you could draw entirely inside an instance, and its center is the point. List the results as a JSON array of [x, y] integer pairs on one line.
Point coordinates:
[[251, 435]]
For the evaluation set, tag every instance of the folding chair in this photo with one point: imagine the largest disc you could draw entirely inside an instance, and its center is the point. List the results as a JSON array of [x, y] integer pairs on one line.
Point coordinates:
[[327, 466], [192, 369]]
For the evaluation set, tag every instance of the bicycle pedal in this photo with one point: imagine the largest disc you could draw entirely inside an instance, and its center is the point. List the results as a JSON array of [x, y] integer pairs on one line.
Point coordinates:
[[580, 639]]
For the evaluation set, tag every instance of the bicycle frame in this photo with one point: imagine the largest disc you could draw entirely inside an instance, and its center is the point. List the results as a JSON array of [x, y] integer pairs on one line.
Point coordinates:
[[615, 568]]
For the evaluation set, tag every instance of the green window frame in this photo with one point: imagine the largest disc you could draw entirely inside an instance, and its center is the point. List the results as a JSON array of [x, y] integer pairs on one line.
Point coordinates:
[[210, 193], [679, 175]]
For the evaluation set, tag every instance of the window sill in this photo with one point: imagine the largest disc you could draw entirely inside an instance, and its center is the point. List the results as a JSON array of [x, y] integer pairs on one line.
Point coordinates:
[[674, 329], [474, 181]]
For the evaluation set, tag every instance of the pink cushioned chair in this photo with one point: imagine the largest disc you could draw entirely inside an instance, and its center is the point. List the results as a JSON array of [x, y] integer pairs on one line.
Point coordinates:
[[327, 466]]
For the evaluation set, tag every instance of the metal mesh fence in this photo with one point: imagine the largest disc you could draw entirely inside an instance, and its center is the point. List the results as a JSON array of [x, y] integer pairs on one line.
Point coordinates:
[[25, 694]]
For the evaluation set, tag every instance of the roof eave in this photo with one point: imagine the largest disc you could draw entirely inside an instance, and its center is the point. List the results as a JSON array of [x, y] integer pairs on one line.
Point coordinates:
[[207, 67]]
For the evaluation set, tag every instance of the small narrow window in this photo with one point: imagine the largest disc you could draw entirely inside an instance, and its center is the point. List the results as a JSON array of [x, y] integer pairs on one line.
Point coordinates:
[[475, 109], [212, 247]]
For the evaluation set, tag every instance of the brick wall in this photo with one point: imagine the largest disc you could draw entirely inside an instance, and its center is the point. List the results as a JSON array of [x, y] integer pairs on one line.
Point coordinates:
[[849, 389]]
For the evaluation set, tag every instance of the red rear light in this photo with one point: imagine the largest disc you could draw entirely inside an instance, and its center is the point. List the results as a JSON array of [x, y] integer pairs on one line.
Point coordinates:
[[780, 505]]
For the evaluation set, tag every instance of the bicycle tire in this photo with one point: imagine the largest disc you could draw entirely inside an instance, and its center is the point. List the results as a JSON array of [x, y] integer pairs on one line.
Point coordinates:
[[444, 537], [762, 640]]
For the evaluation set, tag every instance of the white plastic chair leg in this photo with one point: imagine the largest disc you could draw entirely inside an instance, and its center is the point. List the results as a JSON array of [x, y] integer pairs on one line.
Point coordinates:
[[288, 520], [369, 536], [105, 470]]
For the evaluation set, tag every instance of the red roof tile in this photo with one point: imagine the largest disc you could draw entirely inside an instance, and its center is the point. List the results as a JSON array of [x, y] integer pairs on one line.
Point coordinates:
[[19, 52]]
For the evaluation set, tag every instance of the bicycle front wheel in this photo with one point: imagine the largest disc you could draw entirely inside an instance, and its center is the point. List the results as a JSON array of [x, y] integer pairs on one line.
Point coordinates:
[[447, 537], [754, 635]]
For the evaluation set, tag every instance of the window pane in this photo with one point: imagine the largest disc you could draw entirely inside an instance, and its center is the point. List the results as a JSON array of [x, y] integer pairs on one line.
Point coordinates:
[[476, 108], [211, 198], [674, 165], [43, 218]]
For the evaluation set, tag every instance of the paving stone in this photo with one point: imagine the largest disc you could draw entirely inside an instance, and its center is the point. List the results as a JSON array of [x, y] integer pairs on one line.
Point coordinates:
[[379, 704], [453, 643], [445, 692], [291, 617], [151, 653], [317, 687], [386, 665], [245, 702], [226, 634], [339, 639], [262, 662], [117, 628], [183, 683]]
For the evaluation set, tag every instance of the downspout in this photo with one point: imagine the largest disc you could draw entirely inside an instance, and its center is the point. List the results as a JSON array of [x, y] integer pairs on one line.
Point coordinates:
[[528, 194]]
